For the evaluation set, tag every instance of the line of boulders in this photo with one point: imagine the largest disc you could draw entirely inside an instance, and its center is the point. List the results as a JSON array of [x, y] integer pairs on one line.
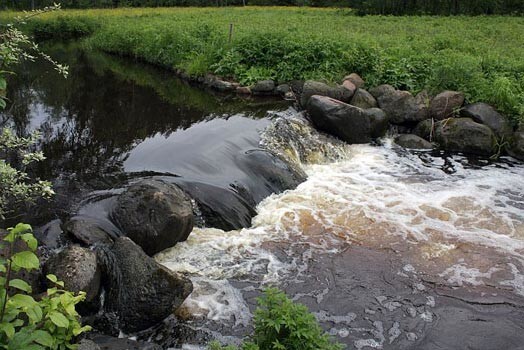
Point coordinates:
[[356, 115]]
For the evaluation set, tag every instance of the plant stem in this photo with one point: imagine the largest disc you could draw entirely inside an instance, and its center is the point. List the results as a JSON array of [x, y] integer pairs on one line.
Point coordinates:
[[7, 279]]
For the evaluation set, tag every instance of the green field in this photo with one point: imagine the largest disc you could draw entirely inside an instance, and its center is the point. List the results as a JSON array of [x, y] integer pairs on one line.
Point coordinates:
[[482, 56]]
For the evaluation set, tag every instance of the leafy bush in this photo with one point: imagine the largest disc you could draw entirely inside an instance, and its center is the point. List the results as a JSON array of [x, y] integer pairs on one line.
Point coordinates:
[[25, 323], [281, 324]]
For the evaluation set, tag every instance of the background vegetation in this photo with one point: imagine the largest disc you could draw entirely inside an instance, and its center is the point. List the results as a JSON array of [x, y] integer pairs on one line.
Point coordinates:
[[481, 56], [395, 7]]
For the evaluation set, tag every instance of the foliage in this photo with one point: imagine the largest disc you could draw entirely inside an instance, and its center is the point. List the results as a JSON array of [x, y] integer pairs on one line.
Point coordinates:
[[281, 324], [28, 324]]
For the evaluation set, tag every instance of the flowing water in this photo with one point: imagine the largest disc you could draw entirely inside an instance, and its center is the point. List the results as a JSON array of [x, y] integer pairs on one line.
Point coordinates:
[[389, 248]]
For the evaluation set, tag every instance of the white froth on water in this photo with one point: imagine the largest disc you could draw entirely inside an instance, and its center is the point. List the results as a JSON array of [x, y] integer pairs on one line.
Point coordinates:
[[377, 196]]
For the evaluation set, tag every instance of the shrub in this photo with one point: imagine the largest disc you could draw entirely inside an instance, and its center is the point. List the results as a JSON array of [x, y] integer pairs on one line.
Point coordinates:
[[281, 324]]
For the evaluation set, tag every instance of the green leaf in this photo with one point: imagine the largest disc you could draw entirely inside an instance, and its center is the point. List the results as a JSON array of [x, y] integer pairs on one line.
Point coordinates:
[[58, 319], [20, 284], [30, 240], [43, 338], [21, 229], [52, 278], [35, 313], [22, 301], [8, 329], [3, 84], [2, 103], [26, 260]]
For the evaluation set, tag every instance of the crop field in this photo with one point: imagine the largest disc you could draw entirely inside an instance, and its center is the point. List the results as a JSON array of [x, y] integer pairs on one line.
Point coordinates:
[[482, 56]]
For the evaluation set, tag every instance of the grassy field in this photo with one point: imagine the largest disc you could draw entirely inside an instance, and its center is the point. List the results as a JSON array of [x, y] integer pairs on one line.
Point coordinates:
[[482, 56]]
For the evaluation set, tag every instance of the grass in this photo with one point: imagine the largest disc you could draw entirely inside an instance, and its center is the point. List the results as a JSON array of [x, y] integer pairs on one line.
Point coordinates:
[[481, 56]]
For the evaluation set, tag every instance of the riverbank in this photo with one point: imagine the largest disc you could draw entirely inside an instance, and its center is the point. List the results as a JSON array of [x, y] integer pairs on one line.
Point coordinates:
[[479, 56]]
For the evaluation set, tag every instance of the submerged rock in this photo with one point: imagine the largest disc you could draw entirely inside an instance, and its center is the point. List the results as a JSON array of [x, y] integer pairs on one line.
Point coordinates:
[[412, 142], [445, 104], [349, 123], [485, 114], [464, 135], [516, 146], [317, 88], [77, 267], [400, 106], [154, 214], [363, 99], [139, 292]]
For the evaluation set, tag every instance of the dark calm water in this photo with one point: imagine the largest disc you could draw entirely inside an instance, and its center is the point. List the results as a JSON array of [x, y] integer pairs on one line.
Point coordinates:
[[114, 118]]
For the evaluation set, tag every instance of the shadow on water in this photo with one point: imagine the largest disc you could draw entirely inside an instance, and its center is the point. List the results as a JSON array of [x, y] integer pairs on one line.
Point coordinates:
[[112, 119]]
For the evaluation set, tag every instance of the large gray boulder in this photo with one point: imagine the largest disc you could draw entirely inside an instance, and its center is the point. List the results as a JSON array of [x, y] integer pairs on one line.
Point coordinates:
[[78, 268], [485, 114], [411, 141], [263, 87], [465, 135], [363, 99], [349, 123], [425, 129], [139, 292], [312, 87], [154, 214], [401, 106], [88, 231], [445, 104], [378, 121], [516, 146], [355, 79]]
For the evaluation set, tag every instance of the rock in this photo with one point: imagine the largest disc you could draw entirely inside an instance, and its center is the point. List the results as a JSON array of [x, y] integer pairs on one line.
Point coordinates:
[[485, 114], [222, 86], [104, 342], [425, 129], [317, 88], [349, 123], [139, 291], [355, 79], [363, 99], [283, 89], [297, 86], [86, 344], [88, 231], [378, 120], [516, 146], [412, 142], [243, 90], [263, 87], [400, 106], [51, 234], [77, 267], [445, 104], [154, 214], [464, 135], [349, 86]]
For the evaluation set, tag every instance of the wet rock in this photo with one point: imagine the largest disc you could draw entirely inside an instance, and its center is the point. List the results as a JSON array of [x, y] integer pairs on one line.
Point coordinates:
[[139, 292], [104, 342], [154, 214], [297, 86], [77, 267], [400, 106], [88, 231], [317, 88], [283, 89], [349, 123], [446, 104], [412, 142], [378, 121], [363, 99], [263, 87], [516, 146], [464, 135], [349, 86], [51, 235], [243, 90], [86, 344], [485, 114], [425, 129], [222, 86], [355, 79]]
